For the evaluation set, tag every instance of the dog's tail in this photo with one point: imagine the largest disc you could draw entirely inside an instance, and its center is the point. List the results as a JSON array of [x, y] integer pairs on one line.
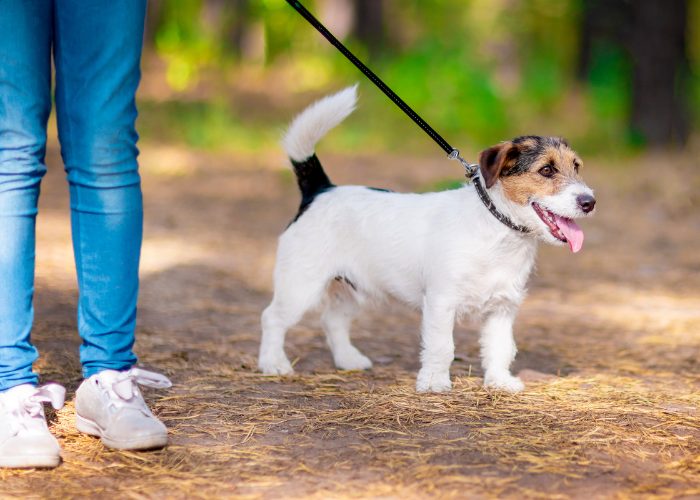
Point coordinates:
[[306, 130]]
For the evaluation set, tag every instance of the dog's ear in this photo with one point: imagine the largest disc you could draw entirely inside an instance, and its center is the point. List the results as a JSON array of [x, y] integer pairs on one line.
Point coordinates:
[[493, 160]]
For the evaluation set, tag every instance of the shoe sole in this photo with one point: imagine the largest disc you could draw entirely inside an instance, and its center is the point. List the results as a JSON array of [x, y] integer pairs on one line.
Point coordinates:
[[30, 462], [87, 426]]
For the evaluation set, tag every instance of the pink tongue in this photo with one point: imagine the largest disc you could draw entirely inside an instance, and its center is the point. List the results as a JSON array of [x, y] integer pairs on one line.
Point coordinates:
[[573, 233]]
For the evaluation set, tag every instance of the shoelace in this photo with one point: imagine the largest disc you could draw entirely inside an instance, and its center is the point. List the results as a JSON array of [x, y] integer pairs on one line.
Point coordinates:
[[30, 411], [125, 385]]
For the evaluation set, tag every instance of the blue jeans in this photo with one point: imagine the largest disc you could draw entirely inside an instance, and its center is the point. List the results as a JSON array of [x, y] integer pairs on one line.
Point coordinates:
[[96, 48]]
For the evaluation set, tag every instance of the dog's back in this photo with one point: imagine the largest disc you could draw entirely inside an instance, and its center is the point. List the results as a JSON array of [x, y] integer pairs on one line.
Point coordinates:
[[368, 239]]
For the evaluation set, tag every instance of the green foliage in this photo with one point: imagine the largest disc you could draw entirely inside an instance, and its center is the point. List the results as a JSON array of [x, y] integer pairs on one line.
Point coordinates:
[[479, 71], [460, 96], [610, 83], [205, 125], [546, 36], [609, 95], [184, 43], [694, 53], [444, 185], [279, 32]]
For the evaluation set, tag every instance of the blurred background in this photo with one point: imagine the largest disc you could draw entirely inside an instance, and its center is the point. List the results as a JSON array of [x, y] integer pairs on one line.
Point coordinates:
[[609, 338], [615, 77]]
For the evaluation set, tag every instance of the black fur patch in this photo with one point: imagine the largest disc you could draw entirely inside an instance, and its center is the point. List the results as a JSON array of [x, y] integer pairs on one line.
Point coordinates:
[[529, 154], [344, 279], [312, 181]]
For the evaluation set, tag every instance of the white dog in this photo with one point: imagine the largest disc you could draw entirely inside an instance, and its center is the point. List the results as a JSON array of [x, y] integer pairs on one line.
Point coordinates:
[[465, 251]]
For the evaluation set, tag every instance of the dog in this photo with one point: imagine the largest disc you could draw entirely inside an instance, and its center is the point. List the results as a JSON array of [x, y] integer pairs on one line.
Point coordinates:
[[467, 251]]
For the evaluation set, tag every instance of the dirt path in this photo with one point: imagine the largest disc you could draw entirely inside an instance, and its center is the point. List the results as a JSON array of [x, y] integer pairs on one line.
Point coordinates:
[[609, 339]]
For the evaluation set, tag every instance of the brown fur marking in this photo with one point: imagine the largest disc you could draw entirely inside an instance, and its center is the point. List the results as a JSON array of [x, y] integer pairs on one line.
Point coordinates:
[[530, 183]]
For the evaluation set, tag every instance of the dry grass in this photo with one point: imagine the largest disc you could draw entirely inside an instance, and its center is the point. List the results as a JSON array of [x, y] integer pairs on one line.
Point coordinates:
[[360, 435], [610, 339]]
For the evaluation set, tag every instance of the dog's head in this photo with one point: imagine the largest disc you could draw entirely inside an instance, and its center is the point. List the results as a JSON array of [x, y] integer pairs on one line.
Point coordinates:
[[540, 177]]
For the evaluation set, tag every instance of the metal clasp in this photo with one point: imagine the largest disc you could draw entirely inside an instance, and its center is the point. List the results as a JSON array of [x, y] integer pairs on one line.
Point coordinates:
[[470, 169]]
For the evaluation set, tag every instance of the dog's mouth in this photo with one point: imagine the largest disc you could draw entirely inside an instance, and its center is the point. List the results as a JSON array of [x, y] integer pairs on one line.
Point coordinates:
[[562, 228]]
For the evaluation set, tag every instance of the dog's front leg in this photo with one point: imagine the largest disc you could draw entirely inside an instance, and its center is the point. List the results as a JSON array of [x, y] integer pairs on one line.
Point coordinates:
[[437, 345], [498, 351]]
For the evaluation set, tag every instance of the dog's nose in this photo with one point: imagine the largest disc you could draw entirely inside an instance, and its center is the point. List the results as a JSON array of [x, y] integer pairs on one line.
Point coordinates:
[[586, 202]]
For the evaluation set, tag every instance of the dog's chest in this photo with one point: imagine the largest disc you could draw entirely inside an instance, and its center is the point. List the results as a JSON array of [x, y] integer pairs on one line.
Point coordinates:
[[497, 280]]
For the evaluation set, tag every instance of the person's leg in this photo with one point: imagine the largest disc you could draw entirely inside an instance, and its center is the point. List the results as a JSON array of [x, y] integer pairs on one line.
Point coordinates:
[[25, 103], [97, 56]]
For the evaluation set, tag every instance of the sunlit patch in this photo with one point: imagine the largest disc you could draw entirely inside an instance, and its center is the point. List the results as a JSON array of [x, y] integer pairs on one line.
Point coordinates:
[[159, 254], [625, 328], [168, 161]]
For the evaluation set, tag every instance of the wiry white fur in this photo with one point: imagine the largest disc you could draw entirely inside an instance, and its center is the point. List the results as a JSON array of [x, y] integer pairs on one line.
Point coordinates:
[[441, 252], [315, 122]]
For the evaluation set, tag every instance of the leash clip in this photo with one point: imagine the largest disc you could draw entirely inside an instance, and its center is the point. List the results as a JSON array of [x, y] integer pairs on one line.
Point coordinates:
[[470, 169]]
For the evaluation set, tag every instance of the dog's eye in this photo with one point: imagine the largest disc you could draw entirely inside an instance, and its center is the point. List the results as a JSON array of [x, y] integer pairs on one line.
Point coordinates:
[[547, 171], [576, 166]]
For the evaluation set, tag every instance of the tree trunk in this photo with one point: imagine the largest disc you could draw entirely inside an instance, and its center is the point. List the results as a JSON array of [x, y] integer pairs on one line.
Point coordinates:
[[603, 22], [653, 34], [661, 68], [153, 19], [236, 19], [369, 23]]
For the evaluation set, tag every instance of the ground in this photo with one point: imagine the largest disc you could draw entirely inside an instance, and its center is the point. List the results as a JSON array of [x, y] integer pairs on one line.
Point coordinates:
[[609, 342]]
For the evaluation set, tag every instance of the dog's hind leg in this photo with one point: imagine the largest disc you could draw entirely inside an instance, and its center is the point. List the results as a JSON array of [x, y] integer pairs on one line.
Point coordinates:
[[288, 306], [340, 309], [437, 342]]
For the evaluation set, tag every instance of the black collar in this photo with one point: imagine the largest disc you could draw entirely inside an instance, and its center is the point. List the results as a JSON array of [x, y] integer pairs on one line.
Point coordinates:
[[486, 200]]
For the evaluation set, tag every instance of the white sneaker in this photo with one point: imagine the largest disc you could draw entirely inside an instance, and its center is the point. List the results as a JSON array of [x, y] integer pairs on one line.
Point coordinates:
[[25, 440], [109, 405]]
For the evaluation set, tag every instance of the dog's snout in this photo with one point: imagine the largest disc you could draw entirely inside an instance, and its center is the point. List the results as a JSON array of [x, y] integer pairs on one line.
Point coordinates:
[[586, 202]]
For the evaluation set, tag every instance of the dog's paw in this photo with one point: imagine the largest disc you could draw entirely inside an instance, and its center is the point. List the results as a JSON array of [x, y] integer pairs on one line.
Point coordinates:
[[433, 382], [352, 360], [275, 366], [506, 382]]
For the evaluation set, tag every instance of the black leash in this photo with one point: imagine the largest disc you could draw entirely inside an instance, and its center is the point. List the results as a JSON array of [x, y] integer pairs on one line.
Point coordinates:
[[471, 169]]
